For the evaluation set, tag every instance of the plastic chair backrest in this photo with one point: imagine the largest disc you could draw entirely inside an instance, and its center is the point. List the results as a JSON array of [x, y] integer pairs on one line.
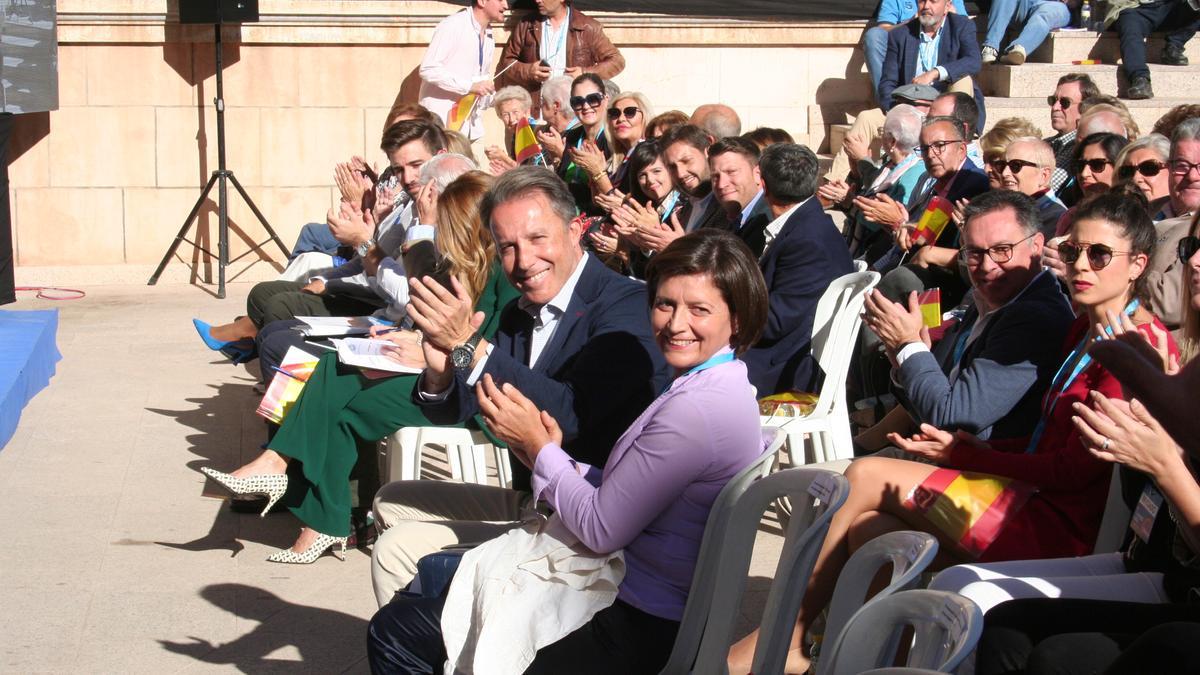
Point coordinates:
[[945, 625], [835, 332], [1115, 521], [860, 265], [704, 579], [815, 495], [908, 552]]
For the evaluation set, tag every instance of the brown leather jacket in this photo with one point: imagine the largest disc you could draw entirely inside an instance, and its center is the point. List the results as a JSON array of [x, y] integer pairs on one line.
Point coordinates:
[[587, 48]]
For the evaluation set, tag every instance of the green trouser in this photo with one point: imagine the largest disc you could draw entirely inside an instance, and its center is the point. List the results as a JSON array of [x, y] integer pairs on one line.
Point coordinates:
[[337, 408]]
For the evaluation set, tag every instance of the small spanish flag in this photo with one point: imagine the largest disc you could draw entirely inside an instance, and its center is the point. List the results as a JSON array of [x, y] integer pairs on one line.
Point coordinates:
[[460, 113], [969, 508], [525, 145], [931, 307], [933, 221]]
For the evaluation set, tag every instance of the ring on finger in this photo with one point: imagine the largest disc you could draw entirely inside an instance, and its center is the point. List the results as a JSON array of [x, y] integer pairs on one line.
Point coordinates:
[[1105, 444]]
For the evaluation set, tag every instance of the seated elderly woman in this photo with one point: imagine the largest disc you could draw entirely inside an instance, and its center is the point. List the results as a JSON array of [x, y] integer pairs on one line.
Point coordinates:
[[868, 210], [315, 449], [512, 104], [1043, 496], [994, 143], [1144, 163], [708, 302]]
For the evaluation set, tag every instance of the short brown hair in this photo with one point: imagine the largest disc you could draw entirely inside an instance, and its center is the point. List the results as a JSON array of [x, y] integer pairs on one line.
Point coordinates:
[[402, 133], [686, 133], [410, 111], [725, 259], [736, 144], [664, 122], [764, 136]]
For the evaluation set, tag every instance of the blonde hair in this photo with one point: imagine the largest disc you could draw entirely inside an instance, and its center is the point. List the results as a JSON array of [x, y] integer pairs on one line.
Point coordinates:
[[462, 239], [643, 104], [1189, 327], [1004, 132]]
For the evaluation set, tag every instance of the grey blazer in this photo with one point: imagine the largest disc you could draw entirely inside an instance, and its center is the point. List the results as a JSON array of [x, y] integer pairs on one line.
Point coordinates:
[[1002, 374]]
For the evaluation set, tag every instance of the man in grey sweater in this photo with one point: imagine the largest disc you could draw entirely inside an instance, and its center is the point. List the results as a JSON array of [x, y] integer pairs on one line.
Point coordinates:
[[989, 372]]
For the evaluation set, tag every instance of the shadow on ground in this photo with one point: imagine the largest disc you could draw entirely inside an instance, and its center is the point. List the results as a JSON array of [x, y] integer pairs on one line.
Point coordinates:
[[314, 634]]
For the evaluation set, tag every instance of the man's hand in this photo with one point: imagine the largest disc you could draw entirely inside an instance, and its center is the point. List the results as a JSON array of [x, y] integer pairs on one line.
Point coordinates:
[[660, 236], [573, 72], [895, 324], [927, 77], [427, 200], [349, 224], [314, 287], [351, 182], [542, 72], [483, 87], [903, 237], [932, 443], [372, 259], [1051, 259], [444, 317], [857, 147], [882, 209]]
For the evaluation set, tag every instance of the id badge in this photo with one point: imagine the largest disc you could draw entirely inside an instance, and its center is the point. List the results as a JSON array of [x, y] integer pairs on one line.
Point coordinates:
[[1147, 508]]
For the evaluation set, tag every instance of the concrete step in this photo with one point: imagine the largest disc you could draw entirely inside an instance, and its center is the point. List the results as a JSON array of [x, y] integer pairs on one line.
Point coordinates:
[[1040, 79], [1034, 109], [1075, 45]]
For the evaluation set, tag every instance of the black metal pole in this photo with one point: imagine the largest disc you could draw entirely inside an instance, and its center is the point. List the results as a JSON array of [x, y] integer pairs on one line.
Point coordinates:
[[222, 186]]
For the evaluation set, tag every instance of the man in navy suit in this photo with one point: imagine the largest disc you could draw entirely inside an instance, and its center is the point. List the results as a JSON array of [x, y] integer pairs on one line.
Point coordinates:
[[733, 167], [577, 343], [938, 49], [804, 254]]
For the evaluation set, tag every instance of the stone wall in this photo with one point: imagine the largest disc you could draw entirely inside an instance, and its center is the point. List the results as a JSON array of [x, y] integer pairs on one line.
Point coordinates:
[[101, 186]]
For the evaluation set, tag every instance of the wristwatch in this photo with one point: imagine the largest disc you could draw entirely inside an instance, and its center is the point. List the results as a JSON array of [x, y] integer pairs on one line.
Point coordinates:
[[462, 355], [365, 248]]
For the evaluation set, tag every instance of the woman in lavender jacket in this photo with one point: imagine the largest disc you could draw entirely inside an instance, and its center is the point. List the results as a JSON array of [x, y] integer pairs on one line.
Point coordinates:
[[653, 496]]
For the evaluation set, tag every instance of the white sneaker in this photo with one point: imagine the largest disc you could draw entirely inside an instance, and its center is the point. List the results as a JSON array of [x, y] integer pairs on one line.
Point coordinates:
[[988, 54], [1015, 56]]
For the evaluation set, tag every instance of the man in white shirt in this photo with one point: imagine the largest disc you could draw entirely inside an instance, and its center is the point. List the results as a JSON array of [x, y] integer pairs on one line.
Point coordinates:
[[459, 61]]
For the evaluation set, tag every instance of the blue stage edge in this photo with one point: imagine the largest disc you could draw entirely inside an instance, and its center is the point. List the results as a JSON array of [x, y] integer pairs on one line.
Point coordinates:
[[28, 354]]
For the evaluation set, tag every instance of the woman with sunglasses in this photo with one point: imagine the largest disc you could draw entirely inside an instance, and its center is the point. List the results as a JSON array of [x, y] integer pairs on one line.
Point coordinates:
[[587, 146], [1144, 163], [1057, 488], [1094, 168]]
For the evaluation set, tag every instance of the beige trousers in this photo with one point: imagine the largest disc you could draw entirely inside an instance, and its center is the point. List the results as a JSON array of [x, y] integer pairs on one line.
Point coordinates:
[[420, 517], [869, 124]]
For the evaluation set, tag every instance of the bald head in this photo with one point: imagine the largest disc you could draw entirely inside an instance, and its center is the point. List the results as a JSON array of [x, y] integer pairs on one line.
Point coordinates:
[[1101, 121], [719, 120]]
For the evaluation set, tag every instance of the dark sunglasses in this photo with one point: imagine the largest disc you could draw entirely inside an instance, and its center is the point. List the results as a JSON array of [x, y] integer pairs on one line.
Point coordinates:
[[1066, 103], [1098, 255], [592, 100], [1014, 165], [1096, 165], [1148, 168], [1188, 247], [630, 112]]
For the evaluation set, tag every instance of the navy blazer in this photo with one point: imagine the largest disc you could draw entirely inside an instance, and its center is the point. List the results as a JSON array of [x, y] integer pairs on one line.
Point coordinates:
[[754, 230], [958, 53], [599, 371], [1003, 373], [798, 266]]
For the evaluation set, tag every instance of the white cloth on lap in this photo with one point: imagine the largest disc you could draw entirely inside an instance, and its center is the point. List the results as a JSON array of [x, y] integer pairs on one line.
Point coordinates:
[[522, 591], [307, 265]]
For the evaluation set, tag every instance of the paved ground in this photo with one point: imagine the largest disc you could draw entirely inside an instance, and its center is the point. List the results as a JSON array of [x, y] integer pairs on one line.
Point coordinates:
[[114, 561]]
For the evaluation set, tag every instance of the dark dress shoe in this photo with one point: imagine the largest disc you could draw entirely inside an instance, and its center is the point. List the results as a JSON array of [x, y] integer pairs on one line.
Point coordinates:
[[1139, 89], [1173, 55]]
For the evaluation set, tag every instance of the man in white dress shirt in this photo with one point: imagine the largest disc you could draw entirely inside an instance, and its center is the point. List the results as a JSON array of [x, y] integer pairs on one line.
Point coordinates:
[[459, 61]]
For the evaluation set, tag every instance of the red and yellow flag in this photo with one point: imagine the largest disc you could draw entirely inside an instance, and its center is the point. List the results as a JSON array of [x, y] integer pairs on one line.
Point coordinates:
[[969, 508], [931, 307], [933, 221], [460, 113], [525, 145]]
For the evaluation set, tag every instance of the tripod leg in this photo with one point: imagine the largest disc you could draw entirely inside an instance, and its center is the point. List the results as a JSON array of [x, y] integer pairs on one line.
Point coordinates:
[[183, 230], [258, 214]]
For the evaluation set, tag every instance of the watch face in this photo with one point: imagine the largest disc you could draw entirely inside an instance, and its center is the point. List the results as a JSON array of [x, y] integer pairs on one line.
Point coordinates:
[[461, 356]]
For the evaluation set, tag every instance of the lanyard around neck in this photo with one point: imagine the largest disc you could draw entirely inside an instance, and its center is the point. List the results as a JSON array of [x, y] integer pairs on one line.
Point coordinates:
[[562, 35]]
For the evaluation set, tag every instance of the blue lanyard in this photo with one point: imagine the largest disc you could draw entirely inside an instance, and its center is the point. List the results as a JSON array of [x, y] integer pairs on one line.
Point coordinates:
[[562, 36], [669, 206], [714, 360], [1082, 360]]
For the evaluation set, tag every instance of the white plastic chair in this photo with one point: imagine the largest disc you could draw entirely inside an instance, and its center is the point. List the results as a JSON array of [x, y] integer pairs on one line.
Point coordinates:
[[1115, 521], [908, 552], [945, 625], [708, 621], [860, 265], [466, 452], [835, 332]]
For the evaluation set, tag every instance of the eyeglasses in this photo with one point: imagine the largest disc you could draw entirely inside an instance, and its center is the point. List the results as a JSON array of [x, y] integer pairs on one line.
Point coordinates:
[[1098, 255], [630, 112], [1096, 165], [1063, 101], [1000, 253], [937, 147], [1148, 168], [1188, 247], [1014, 165], [1182, 167], [592, 100]]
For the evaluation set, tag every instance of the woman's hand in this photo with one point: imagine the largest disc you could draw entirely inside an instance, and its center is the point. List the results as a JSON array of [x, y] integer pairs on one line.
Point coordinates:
[[609, 201], [514, 419], [1156, 350], [857, 147], [552, 143], [590, 158], [500, 165], [903, 237], [932, 444], [404, 348], [660, 235], [1051, 259], [603, 243], [385, 201], [631, 217], [960, 211], [351, 182], [1127, 435], [835, 191]]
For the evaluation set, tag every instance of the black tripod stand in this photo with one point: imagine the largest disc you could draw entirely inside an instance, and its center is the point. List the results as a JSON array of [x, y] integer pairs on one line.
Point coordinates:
[[221, 177]]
